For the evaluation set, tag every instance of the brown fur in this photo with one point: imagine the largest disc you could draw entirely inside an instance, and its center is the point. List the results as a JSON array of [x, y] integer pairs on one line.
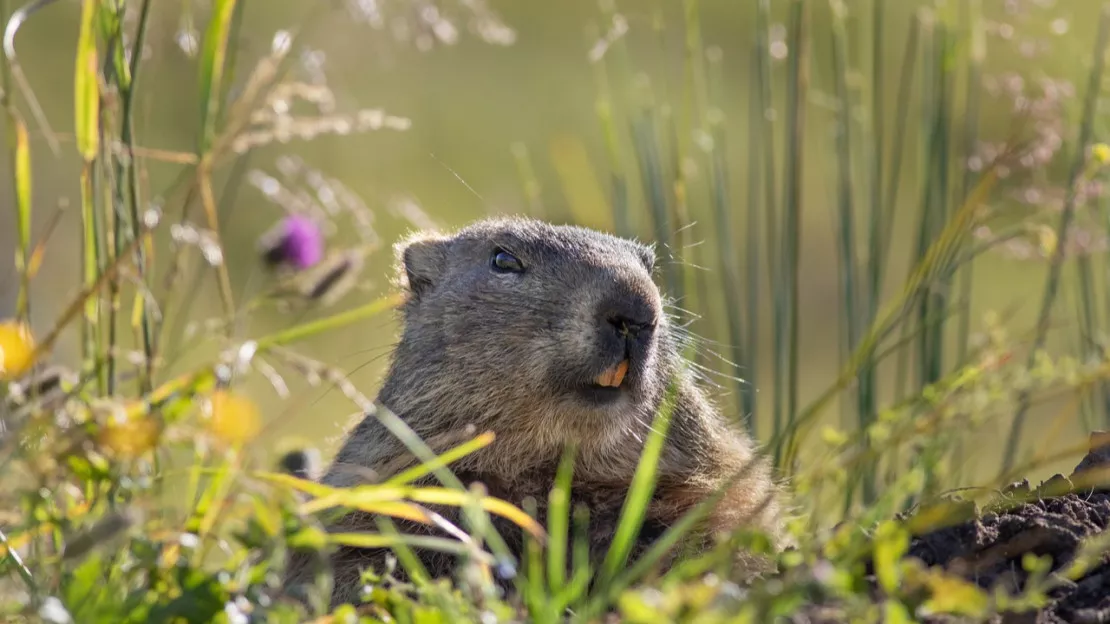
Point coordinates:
[[483, 350]]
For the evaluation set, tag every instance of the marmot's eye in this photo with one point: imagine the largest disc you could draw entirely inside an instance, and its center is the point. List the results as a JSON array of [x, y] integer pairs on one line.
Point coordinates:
[[505, 262]]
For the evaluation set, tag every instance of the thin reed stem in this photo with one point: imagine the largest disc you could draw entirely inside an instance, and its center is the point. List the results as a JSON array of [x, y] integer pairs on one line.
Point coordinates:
[[928, 123], [753, 237], [732, 283], [846, 212], [971, 138], [128, 170], [646, 143], [773, 234], [604, 105], [797, 95]]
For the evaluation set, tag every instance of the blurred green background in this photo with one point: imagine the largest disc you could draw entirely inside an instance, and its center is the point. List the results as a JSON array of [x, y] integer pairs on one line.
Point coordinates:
[[469, 104]]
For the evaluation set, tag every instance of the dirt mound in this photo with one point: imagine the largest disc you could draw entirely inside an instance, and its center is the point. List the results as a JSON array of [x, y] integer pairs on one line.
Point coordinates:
[[989, 549], [1053, 519]]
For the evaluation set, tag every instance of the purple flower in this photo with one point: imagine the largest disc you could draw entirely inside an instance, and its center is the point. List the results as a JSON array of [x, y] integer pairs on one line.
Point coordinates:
[[295, 240]]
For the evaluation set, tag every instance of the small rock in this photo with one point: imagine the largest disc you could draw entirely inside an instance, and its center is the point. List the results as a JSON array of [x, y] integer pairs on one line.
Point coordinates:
[[1057, 485], [1098, 456]]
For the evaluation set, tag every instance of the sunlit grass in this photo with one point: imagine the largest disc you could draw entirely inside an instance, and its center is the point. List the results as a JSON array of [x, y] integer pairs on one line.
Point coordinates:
[[132, 491]]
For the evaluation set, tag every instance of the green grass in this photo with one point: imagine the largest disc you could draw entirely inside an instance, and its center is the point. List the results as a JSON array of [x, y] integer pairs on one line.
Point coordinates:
[[138, 493]]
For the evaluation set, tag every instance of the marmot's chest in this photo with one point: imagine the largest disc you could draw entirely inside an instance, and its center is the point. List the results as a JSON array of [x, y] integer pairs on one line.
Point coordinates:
[[604, 500]]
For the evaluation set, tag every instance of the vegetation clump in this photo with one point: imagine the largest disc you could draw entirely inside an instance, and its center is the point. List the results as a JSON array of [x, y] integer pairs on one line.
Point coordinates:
[[924, 150]]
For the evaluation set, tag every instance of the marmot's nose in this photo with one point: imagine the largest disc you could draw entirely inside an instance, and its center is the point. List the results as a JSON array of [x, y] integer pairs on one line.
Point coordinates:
[[630, 327], [631, 317]]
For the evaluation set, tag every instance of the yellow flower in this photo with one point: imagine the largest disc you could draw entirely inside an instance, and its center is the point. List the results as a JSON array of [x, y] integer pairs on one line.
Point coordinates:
[[17, 347], [233, 419], [953, 595], [833, 436], [129, 433], [1046, 239], [1101, 153]]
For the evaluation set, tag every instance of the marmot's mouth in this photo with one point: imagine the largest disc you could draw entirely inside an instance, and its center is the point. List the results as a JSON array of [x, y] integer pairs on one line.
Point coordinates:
[[613, 376], [600, 395], [608, 386]]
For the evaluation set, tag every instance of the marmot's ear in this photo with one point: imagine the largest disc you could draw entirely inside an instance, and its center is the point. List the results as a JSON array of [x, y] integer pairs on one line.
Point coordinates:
[[422, 259]]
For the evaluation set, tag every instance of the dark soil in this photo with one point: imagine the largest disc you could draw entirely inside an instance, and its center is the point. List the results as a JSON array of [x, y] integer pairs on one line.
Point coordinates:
[[988, 550]]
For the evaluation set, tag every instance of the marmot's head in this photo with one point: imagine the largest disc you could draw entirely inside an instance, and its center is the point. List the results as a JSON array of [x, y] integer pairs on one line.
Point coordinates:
[[556, 329]]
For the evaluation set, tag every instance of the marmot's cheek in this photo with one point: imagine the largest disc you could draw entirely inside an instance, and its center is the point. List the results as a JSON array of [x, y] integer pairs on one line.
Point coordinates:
[[583, 345]]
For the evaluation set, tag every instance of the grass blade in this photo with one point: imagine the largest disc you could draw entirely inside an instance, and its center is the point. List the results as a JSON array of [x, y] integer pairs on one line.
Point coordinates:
[[378, 540], [558, 521], [729, 259], [23, 217], [212, 70], [87, 128], [335, 321], [790, 247], [762, 127], [850, 304], [90, 252], [646, 144], [605, 110], [977, 55], [127, 172], [752, 243], [897, 152], [425, 468], [674, 534], [444, 496], [639, 496], [86, 87], [534, 594]]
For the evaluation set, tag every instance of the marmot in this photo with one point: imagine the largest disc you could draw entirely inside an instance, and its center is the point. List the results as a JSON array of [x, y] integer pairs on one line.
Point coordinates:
[[547, 335]]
